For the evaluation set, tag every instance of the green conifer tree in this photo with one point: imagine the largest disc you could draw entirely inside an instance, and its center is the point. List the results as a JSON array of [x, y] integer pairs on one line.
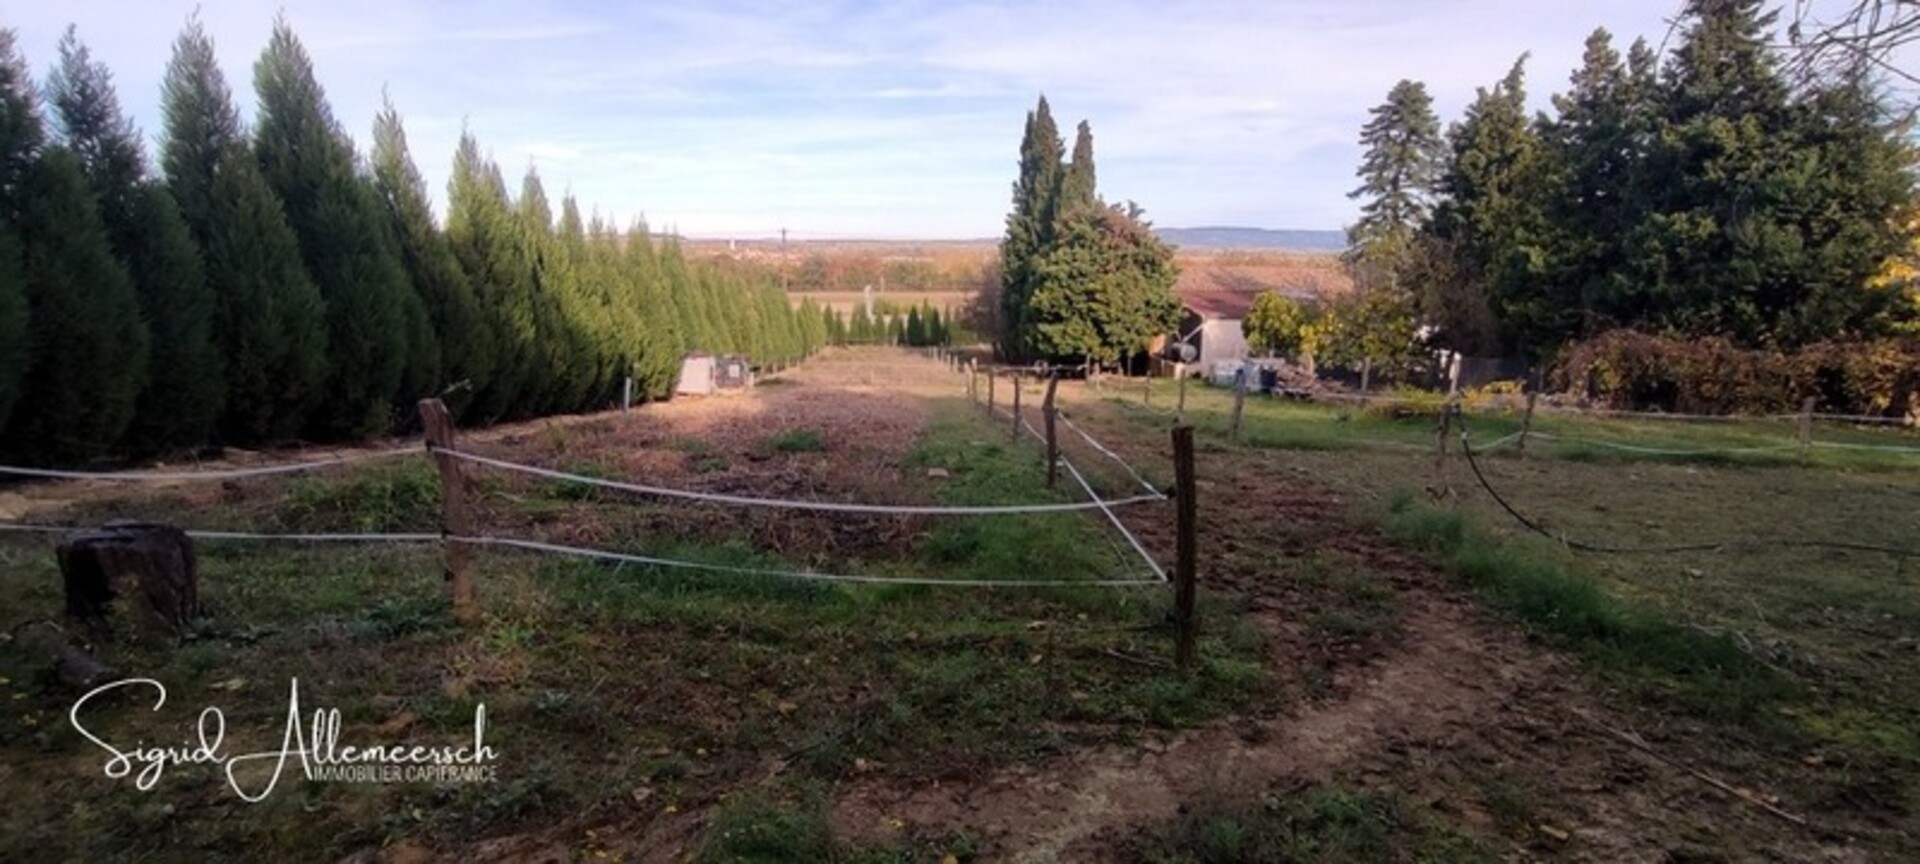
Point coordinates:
[[180, 406], [87, 358], [309, 162], [20, 139]]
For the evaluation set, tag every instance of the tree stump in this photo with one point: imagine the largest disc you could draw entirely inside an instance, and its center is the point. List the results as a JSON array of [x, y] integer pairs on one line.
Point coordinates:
[[144, 569]]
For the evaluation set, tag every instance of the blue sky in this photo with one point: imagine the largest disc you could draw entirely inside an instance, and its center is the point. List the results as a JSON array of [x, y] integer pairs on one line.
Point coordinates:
[[888, 120]]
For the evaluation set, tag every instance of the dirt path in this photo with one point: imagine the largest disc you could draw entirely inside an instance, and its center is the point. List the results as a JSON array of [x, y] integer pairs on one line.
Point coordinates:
[[1455, 703]]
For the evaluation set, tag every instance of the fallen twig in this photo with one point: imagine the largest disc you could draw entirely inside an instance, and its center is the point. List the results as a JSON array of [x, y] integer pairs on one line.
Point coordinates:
[[1640, 744]]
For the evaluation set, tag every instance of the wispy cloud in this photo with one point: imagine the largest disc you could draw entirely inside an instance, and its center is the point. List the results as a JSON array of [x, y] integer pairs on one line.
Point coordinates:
[[879, 118]]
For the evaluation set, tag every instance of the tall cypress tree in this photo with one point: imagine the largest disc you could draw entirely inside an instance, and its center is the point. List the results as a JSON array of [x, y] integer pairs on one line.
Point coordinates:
[[465, 342], [202, 125], [88, 358], [309, 163], [20, 139], [1030, 227], [269, 322], [484, 235], [181, 403], [270, 319], [1079, 188]]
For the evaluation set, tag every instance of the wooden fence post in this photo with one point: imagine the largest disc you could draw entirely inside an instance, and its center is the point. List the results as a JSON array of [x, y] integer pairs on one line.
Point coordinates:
[[1047, 412], [1014, 431], [1187, 523], [1806, 427], [990, 379], [1239, 401], [1526, 422], [1441, 487], [626, 395], [454, 521], [973, 382], [1180, 409], [1146, 389]]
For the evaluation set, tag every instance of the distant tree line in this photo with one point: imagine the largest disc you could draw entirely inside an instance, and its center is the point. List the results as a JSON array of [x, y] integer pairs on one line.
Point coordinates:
[[269, 284], [918, 326], [1080, 279], [1707, 192]]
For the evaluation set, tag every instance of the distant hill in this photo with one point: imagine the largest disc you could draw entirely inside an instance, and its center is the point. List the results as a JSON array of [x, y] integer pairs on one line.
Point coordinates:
[[1228, 237]]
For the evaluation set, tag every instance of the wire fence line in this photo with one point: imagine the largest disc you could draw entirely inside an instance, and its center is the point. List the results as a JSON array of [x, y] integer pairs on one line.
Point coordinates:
[[1473, 462], [1112, 517], [1107, 453], [209, 474], [1154, 577], [792, 504]]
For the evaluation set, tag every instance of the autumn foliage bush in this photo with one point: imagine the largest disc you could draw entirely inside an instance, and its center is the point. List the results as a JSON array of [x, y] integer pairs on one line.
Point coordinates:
[[1626, 369]]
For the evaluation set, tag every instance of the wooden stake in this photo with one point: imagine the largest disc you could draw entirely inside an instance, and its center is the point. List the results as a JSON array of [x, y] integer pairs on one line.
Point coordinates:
[[1239, 401], [1146, 389], [1180, 411], [626, 396], [1053, 445], [454, 520], [1013, 430], [1526, 422], [973, 382], [1441, 488], [1806, 427], [1187, 522]]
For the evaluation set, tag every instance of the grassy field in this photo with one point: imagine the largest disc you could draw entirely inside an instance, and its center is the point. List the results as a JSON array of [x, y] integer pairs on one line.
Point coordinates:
[[1382, 676], [615, 693], [1774, 661]]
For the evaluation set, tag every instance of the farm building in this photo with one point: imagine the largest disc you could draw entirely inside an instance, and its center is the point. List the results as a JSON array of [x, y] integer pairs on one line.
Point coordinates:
[[1215, 298], [706, 374]]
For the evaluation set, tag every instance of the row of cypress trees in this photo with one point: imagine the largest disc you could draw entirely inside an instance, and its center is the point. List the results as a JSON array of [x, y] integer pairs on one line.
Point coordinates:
[[922, 326], [270, 284]]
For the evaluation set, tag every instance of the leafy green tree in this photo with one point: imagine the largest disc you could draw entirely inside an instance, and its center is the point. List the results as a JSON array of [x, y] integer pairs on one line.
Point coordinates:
[[1399, 175], [1277, 324], [1105, 291], [453, 313], [1030, 228], [181, 403], [20, 139], [309, 162], [87, 358], [1373, 330]]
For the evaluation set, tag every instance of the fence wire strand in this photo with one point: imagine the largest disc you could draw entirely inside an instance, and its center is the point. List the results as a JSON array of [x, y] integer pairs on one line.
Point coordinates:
[[827, 506], [211, 474]]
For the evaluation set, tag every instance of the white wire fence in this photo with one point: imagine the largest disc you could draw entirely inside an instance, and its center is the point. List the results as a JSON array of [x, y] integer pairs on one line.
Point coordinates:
[[1154, 574]]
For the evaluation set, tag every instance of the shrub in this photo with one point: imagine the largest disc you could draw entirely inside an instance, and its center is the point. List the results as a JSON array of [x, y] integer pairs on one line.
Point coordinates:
[[1710, 375]]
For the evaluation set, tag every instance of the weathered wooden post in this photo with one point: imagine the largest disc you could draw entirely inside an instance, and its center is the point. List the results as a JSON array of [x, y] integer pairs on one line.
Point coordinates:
[[973, 383], [1013, 430], [454, 520], [1146, 389], [990, 387], [1047, 413], [148, 567], [626, 396], [1180, 408], [1526, 422], [1239, 401], [1806, 427], [1187, 522], [1441, 487]]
